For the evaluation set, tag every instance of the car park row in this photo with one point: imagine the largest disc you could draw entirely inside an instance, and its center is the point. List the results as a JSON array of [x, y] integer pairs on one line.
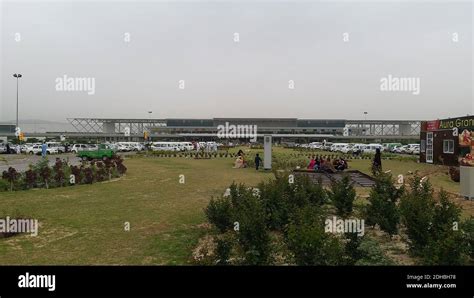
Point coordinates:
[[357, 148], [58, 148]]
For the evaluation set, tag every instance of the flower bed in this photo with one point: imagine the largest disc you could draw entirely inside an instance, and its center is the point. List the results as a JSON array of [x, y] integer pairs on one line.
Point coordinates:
[[61, 174]]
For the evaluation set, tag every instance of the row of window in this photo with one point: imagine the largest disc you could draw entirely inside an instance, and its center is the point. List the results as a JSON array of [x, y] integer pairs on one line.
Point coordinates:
[[448, 146]]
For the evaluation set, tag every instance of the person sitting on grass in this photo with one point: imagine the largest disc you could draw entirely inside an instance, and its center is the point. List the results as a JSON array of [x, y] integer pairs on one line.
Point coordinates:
[[239, 163], [317, 165], [341, 165], [311, 164]]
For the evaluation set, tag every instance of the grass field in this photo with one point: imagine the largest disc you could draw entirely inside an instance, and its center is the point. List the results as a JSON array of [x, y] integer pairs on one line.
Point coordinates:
[[85, 224]]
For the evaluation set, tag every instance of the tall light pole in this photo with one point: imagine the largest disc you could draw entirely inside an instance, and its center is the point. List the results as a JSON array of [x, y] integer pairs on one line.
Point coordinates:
[[17, 76]]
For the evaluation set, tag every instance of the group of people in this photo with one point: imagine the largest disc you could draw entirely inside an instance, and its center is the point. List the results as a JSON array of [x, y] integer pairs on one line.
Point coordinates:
[[241, 163], [320, 164]]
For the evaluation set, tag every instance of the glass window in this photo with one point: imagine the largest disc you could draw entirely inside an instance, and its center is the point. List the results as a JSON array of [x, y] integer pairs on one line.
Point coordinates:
[[448, 146]]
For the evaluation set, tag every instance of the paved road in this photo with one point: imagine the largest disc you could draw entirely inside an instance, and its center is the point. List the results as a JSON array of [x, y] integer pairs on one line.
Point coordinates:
[[21, 161]]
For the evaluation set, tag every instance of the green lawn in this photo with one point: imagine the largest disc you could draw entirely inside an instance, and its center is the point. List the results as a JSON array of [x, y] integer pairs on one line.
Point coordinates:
[[85, 224]]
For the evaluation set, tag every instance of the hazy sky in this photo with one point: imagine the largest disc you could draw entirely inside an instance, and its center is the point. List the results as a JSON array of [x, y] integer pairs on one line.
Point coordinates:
[[279, 41]]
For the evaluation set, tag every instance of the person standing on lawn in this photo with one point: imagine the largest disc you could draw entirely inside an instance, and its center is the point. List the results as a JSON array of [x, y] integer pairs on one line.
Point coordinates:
[[257, 161], [377, 162], [44, 148]]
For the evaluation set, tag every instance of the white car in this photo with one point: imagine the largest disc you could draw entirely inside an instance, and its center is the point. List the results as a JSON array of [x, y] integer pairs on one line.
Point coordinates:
[[37, 149], [60, 148], [315, 145], [416, 151], [79, 147], [327, 146], [412, 147]]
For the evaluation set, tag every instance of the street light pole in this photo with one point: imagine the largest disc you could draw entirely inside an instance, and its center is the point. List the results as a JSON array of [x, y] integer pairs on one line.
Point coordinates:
[[17, 76]]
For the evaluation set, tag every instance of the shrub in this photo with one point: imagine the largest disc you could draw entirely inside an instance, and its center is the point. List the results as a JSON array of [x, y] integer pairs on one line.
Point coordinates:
[[77, 172], [430, 226], [467, 228], [30, 178], [309, 243], [252, 235], [371, 254], [382, 208], [224, 248], [58, 172], [342, 196], [121, 168], [219, 213], [11, 175], [454, 173], [4, 185], [417, 210], [88, 175]]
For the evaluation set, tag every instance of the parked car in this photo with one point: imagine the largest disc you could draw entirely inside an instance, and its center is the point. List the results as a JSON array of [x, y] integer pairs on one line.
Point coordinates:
[[337, 147], [79, 147], [37, 150], [56, 145], [401, 149], [371, 148], [327, 146], [102, 152], [358, 148], [412, 147], [315, 145]]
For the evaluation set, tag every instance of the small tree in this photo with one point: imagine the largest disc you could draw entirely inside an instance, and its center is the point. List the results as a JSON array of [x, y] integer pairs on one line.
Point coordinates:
[[30, 178], [382, 208], [45, 174], [219, 213], [309, 243], [417, 210], [11, 175], [252, 233], [342, 195]]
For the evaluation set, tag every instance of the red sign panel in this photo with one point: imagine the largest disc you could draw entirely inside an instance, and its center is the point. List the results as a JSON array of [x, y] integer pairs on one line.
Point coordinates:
[[432, 125]]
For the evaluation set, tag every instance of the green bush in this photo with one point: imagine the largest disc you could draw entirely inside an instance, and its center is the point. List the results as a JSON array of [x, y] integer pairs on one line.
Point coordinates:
[[417, 210], [371, 254], [4, 185], [382, 208], [224, 248], [342, 196], [253, 236], [309, 243], [431, 227], [219, 213]]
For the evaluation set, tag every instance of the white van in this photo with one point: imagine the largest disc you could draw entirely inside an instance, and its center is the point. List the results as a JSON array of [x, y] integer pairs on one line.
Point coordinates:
[[337, 147], [164, 146], [371, 148]]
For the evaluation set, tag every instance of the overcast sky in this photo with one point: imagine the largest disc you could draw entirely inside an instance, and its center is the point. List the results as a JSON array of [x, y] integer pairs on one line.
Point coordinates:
[[279, 41]]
